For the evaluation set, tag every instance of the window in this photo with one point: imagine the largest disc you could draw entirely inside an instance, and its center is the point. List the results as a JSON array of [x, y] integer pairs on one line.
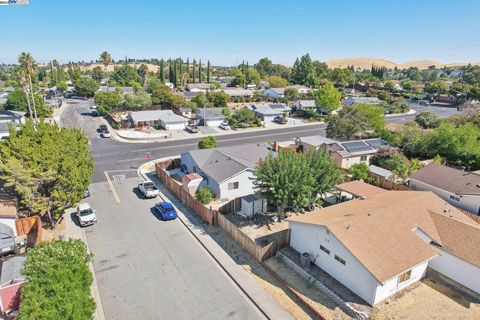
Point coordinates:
[[340, 260], [324, 249], [455, 198], [404, 276], [233, 185], [363, 158]]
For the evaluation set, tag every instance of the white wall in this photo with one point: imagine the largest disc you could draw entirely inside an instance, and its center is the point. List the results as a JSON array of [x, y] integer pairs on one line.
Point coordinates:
[[467, 202], [308, 238], [457, 269], [245, 185], [392, 286], [214, 123], [11, 223], [348, 162]]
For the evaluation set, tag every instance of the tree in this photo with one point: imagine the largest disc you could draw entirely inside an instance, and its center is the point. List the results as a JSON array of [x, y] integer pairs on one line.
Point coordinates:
[[17, 101], [390, 85], [154, 84], [164, 96], [126, 74], [208, 142], [107, 101], [208, 71], [21, 75], [28, 66], [86, 87], [48, 168], [427, 119], [161, 71], [303, 72], [218, 99], [358, 118], [407, 84], [200, 71], [295, 179], [327, 98], [264, 67], [139, 100], [252, 76], [359, 171], [204, 195], [342, 77], [143, 72], [62, 86], [244, 115], [59, 281], [291, 94], [200, 101], [106, 60], [437, 87], [98, 74], [276, 82], [239, 79], [194, 66]]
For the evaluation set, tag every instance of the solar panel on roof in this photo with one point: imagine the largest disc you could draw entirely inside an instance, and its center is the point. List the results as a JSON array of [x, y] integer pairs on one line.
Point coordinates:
[[356, 146], [376, 143]]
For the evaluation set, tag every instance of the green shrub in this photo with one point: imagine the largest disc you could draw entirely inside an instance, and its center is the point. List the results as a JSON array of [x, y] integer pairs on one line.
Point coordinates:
[[204, 195]]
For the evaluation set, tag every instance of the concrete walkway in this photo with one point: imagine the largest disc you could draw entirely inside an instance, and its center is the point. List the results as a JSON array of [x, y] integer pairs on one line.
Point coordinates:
[[75, 232], [270, 308]]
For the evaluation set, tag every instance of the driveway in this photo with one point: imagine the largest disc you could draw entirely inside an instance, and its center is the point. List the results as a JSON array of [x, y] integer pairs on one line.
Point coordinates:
[[150, 269]]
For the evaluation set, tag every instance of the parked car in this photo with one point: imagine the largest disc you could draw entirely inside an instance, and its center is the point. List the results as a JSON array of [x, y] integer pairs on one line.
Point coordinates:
[[148, 189], [105, 134], [102, 128], [192, 128], [86, 193], [280, 120], [94, 113], [86, 215], [166, 210], [225, 126]]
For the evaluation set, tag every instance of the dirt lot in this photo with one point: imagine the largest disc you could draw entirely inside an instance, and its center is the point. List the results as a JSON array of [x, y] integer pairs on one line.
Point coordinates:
[[276, 290], [49, 234], [431, 298]]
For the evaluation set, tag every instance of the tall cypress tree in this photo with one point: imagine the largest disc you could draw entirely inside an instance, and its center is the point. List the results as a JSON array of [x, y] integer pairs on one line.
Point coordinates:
[[208, 71], [194, 65], [200, 71], [188, 70], [162, 71], [180, 71], [170, 72], [242, 68]]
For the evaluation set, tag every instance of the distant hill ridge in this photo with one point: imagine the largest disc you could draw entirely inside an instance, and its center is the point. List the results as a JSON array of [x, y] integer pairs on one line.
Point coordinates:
[[366, 63]]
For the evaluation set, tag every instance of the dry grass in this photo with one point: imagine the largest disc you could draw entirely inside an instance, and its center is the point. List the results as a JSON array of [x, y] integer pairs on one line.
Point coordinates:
[[433, 298], [366, 63], [54, 234]]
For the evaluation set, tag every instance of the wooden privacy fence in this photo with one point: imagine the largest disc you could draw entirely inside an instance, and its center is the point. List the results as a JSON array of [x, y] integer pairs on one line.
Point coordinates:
[[201, 210], [31, 227], [389, 185], [261, 248]]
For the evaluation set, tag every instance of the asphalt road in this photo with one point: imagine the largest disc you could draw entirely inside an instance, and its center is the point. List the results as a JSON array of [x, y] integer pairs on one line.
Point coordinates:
[[147, 268], [114, 155]]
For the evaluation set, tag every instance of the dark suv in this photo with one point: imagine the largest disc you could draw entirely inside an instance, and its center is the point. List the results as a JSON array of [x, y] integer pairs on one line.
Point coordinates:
[[280, 120], [102, 128]]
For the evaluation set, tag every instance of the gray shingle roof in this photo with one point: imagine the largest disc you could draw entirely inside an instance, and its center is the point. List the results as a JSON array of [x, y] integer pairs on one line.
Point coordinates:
[[384, 173], [225, 162], [210, 113], [165, 115], [317, 140]]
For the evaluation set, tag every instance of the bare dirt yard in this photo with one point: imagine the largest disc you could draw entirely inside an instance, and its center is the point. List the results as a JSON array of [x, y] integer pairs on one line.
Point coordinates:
[[266, 280], [433, 298]]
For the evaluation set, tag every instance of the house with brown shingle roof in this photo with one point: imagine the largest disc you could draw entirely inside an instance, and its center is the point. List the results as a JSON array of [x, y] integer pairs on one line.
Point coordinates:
[[381, 244], [457, 187]]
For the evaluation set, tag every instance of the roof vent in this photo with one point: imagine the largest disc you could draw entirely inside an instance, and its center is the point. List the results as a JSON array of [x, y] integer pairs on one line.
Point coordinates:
[[478, 185], [347, 226]]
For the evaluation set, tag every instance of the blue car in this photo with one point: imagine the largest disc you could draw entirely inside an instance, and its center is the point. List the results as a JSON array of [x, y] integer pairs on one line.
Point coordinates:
[[166, 210]]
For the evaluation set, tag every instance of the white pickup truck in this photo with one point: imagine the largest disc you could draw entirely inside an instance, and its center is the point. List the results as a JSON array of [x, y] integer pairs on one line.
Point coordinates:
[[148, 189]]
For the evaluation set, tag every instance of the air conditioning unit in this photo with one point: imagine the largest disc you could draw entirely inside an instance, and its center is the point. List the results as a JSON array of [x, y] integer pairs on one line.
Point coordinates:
[[305, 259]]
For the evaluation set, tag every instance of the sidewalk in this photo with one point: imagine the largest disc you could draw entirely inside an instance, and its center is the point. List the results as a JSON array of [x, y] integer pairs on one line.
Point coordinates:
[[262, 300], [409, 113], [178, 135], [75, 232]]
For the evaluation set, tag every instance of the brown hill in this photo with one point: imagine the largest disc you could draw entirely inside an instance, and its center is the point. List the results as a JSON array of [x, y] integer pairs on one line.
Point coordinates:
[[366, 63]]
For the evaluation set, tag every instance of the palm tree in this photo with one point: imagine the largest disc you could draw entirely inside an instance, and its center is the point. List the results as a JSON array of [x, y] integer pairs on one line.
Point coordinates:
[[28, 66], [106, 60], [20, 74]]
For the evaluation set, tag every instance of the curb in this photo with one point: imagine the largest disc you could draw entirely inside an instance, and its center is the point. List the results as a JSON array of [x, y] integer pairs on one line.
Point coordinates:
[[409, 113]]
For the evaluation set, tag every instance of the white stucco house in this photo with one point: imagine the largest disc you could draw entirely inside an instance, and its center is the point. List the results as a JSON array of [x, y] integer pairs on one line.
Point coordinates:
[[457, 187], [304, 105], [382, 243], [210, 117], [227, 171], [234, 93], [275, 93], [268, 111]]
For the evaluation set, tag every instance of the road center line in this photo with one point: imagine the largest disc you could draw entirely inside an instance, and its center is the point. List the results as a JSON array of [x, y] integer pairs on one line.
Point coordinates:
[[115, 195]]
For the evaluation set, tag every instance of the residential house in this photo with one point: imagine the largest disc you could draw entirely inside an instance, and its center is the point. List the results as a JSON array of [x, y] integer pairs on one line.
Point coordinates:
[[210, 117], [380, 244], [301, 89], [199, 87], [267, 112], [11, 280], [236, 93], [4, 94], [14, 118], [188, 95], [227, 171], [165, 119], [304, 105], [347, 153], [380, 172], [363, 100], [457, 187], [275, 93], [123, 90]]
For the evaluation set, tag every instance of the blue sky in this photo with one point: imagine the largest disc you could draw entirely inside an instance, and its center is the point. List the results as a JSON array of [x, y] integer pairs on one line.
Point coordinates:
[[228, 31]]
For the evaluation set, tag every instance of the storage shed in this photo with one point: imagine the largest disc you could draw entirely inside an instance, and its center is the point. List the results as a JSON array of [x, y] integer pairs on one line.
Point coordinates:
[[252, 205]]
